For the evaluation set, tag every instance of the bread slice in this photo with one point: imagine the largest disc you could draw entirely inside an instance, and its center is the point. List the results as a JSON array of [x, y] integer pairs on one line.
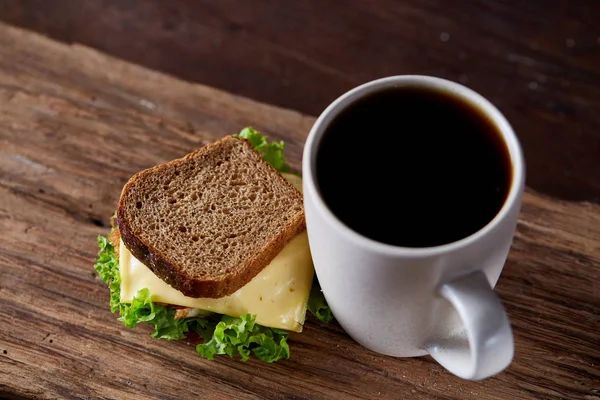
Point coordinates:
[[209, 222]]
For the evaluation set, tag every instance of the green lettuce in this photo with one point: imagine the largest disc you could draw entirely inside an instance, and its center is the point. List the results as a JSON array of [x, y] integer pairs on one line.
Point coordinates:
[[271, 152], [242, 336], [317, 304], [107, 267], [162, 318]]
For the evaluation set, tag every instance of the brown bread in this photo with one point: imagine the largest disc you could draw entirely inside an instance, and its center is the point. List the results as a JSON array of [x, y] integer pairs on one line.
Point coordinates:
[[209, 222]]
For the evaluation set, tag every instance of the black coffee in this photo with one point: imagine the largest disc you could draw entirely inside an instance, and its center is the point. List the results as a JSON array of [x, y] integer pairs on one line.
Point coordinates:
[[413, 167]]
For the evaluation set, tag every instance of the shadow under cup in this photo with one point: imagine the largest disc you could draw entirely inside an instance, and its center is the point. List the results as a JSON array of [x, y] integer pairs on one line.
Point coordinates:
[[412, 190]]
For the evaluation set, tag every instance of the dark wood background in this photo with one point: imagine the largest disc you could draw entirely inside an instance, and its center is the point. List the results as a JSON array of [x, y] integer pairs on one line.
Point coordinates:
[[537, 60]]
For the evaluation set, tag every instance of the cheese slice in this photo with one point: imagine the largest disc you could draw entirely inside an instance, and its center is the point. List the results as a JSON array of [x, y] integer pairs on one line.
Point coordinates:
[[277, 295]]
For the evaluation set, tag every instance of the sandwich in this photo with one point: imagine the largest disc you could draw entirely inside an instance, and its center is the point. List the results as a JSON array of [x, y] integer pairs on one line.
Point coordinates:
[[212, 247]]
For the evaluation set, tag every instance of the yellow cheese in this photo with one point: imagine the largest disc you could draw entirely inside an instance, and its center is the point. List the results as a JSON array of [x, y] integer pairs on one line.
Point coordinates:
[[294, 180], [277, 295]]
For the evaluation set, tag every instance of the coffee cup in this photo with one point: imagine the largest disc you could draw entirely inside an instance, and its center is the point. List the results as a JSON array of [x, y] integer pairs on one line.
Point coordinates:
[[412, 187]]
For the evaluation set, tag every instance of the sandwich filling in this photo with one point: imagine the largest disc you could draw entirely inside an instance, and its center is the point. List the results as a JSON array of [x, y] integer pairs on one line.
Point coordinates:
[[277, 296]]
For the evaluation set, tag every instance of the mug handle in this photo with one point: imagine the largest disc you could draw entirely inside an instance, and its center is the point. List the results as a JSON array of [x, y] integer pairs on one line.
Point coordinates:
[[489, 346]]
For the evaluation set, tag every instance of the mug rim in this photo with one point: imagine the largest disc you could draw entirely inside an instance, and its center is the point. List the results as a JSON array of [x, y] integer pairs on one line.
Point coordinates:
[[458, 90]]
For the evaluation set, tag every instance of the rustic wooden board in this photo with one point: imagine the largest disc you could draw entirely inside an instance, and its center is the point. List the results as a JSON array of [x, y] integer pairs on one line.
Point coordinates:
[[75, 124]]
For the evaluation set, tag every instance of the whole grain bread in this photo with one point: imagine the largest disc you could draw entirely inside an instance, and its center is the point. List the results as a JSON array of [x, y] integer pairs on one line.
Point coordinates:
[[209, 222]]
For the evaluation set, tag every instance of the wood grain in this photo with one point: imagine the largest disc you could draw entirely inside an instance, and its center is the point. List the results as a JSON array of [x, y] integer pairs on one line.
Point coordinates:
[[537, 60], [76, 124]]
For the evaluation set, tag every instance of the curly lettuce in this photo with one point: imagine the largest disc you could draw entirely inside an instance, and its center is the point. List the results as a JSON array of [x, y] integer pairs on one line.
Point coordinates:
[[271, 152], [317, 304], [242, 336]]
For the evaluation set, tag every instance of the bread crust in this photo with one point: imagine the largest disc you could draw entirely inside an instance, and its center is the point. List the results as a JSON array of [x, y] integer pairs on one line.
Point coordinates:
[[177, 278]]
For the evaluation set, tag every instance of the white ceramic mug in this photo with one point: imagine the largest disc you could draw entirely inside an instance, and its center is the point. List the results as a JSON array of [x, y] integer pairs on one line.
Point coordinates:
[[408, 302]]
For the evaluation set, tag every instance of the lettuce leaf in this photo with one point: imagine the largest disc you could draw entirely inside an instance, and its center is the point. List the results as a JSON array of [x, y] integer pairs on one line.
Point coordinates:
[[221, 334], [317, 304], [242, 336], [162, 318], [107, 267], [271, 152]]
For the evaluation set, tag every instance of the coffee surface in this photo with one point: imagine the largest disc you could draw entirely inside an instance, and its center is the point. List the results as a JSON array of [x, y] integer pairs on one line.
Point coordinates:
[[413, 167]]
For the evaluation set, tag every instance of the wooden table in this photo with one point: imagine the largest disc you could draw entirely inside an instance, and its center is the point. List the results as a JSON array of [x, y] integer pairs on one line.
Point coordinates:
[[75, 124]]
